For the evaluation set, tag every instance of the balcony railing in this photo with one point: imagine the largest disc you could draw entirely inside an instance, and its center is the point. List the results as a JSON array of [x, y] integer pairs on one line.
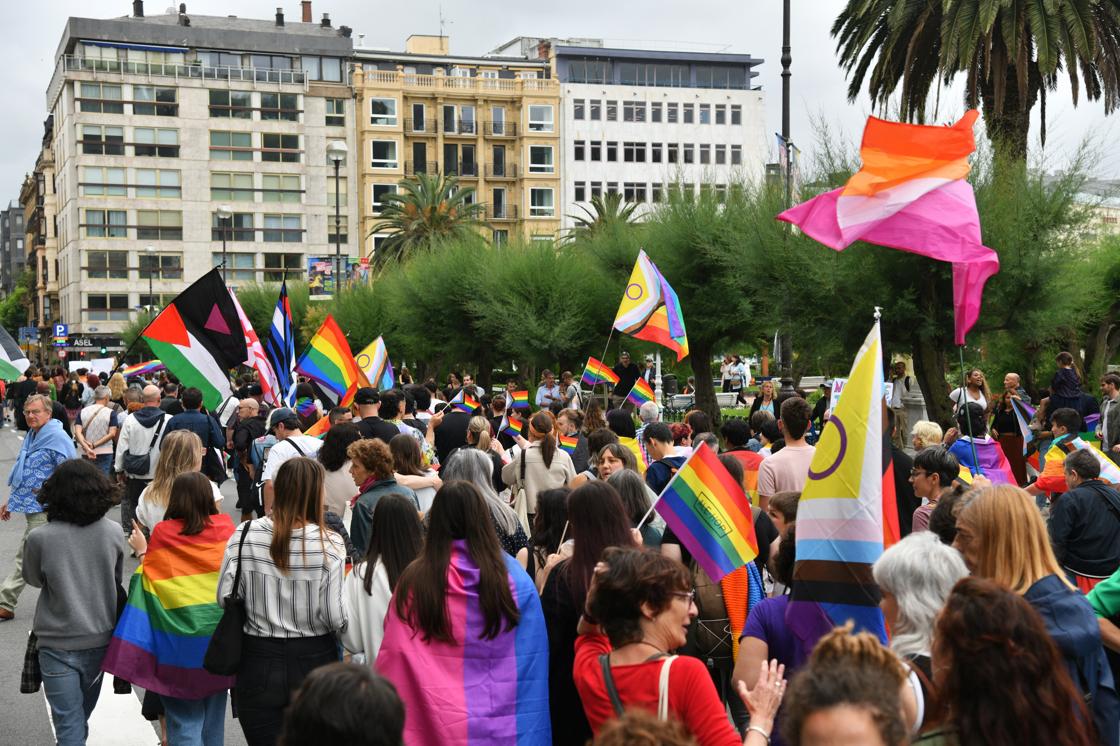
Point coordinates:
[[507, 171], [420, 167], [419, 127], [512, 86], [464, 170], [501, 129], [501, 212], [461, 128]]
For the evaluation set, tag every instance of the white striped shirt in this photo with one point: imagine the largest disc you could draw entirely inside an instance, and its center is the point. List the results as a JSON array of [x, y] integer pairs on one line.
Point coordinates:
[[304, 602]]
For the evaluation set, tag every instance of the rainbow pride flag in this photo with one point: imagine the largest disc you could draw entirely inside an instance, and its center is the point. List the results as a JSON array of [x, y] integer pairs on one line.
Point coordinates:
[[464, 402], [596, 372], [305, 406], [474, 691], [641, 393], [568, 443], [172, 609], [911, 194], [519, 399], [142, 369], [328, 361], [840, 526], [710, 514], [320, 428], [511, 425], [1053, 477], [374, 362], [650, 309]]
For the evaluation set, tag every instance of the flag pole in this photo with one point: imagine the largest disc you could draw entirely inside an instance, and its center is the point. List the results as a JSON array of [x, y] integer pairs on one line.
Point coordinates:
[[605, 348], [651, 507], [967, 419]]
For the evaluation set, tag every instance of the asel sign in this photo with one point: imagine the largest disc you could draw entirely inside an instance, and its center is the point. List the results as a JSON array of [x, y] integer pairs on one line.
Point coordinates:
[[81, 342]]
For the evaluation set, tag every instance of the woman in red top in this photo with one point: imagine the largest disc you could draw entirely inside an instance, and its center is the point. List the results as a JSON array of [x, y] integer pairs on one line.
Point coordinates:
[[639, 607]]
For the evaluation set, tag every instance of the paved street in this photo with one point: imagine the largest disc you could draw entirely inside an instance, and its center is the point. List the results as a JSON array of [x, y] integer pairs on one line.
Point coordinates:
[[26, 720]]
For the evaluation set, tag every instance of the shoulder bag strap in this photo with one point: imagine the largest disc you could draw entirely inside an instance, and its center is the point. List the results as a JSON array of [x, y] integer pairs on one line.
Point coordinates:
[[236, 593], [608, 680], [1111, 506], [155, 435], [295, 445], [663, 689]]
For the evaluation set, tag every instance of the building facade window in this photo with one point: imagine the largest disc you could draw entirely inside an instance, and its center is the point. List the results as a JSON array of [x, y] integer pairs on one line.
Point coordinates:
[[672, 152], [672, 113], [596, 150], [721, 155], [721, 114], [713, 76], [100, 98], [541, 204], [277, 267], [107, 307], [634, 192], [159, 143], [612, 151], [282, 188], [580, 194], [336, 112], [655, 149], [280, 106], [656, 192], [231, 146], [540, 159], [705, 113], [579, 149], [160, 267], [540, 118], [155, 101], [688, 113], [612, 187], [231, 104], [383, 154], [283, 229], [579, 109], [595, 110], [107, 265], [231, 187], [501, 237], [634, 152], [380, 192], [736, 114], [634, 111], [705, 154], [280, 148], [589, 71], [688, 153], [159, 183], [159, 225], [240, 227], [612, 111], [106, 224], [596, 189], [655, 109], [736, 155], [103, 182], [240, 267], [98, 140], [383, 112]]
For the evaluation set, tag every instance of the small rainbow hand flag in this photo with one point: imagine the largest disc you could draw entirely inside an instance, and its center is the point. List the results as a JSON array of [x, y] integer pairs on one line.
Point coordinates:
[[568, 443], [596, 372], [511, 425], [519, 399], [709, 513], [641, 393], [142, 369], [464, 402]]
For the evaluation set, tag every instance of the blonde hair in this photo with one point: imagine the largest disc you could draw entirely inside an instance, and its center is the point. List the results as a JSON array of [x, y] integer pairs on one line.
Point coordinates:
[[926, 433], [180, 451], [117, 386], [1013, 544], [478, 433]]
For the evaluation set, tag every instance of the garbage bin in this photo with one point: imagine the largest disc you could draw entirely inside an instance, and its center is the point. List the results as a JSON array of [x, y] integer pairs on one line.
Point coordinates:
[[669, 385]]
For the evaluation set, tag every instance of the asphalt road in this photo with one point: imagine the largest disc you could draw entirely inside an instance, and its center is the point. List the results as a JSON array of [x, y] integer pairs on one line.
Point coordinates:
[[26, 717]]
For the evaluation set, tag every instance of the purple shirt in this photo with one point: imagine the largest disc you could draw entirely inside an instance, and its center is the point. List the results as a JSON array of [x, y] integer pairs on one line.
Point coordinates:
[[767, 622]]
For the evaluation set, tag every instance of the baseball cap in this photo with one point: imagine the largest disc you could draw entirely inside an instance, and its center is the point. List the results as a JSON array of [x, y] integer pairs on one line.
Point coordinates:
[[367, 395], [282, 414]]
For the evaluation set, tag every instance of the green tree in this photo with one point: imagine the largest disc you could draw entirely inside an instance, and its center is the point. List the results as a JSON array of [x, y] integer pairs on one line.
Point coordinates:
[[135, 345], [606, 213], [1010, 53], [427, 209], [13, 308]]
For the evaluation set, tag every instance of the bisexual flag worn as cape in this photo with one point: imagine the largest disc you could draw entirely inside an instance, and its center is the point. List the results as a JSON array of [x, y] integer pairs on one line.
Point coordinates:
[[911, 194], [474, 691]]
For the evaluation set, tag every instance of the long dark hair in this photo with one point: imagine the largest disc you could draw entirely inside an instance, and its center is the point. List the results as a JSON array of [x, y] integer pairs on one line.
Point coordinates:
[[621, 423], [333, 453], [1002, 680], [395, 538], [458, 512], [550, 519], [192, 502], [543, 424], [299, 502], [597, 520], [407, 458]]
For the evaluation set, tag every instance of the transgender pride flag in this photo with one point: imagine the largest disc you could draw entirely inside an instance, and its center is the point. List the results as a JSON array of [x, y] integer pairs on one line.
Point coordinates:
[[911, 194]]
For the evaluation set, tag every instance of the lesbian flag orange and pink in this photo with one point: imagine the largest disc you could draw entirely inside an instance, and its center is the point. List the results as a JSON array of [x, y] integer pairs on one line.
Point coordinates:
[[911, 194]]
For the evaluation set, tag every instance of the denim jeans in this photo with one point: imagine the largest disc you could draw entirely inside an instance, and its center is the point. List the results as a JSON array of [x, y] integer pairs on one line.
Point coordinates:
[[196, 722], [72, 683], [104, 462]]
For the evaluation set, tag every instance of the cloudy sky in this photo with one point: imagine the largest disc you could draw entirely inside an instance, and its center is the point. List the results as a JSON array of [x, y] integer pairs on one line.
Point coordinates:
[[32, 31]]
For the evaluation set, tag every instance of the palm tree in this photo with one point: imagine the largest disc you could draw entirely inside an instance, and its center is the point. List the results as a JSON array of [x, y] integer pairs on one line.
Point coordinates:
[[1010, 51], [426, 209], [606, 212]]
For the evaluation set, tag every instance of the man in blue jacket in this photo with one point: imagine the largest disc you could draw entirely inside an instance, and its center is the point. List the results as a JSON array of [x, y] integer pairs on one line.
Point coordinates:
[[206, 428]]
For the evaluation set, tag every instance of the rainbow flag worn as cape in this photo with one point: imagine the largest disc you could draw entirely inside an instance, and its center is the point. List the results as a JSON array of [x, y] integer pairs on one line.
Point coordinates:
[[596, 372], [474, 692], [328, 361], [911, 194], [840, 516], [1053, 476], [519, 399], [162, 636], [568, 443], [709, 512], [990, 459], [650, 310], [374, 362], [142, 369], [641, 393]]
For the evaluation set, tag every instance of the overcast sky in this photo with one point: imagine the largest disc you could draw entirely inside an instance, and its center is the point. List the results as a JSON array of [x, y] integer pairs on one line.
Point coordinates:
[[32, 31]]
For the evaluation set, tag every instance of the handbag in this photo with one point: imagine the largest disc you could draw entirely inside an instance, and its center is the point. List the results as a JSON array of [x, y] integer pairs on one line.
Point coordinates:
[[139, 465], [223, 654]]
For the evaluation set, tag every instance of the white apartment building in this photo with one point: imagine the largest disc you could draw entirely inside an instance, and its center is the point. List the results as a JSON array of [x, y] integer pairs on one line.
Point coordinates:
[[161, 120], [637, 121]]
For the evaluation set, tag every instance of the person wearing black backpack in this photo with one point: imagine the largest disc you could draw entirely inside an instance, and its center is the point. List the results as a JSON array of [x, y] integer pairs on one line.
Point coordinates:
[[207, 429], [138, 452], [658, 441]]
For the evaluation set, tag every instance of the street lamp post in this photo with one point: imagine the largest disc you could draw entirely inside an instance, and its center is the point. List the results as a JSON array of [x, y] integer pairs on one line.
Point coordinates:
[[150, 251], [225, 214], [336, 151]]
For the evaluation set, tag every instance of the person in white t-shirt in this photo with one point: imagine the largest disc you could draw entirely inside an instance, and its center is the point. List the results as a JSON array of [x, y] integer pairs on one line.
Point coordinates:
[[290, 443], [788, 469]]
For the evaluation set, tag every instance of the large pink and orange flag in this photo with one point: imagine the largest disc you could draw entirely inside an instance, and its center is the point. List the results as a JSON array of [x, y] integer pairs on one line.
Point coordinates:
[[911, 194]]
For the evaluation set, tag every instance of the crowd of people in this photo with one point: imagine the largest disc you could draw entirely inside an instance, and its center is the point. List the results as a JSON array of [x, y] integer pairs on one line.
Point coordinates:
[[421, 574]]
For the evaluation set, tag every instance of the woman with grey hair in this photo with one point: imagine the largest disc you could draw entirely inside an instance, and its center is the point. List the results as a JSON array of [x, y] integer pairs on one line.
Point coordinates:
[[474, 466], [915, 577]]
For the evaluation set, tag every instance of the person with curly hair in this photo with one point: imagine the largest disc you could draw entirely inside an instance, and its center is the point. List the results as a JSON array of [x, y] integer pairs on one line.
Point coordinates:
[[371, 466], [1000, 676], [77, 561]]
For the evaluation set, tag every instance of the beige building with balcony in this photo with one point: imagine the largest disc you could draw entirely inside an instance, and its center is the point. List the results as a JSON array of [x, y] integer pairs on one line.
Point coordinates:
[[40, 209], [492, 121]]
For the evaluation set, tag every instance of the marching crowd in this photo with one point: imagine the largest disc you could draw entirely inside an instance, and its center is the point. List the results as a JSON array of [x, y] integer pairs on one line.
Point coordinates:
[[416, 573]]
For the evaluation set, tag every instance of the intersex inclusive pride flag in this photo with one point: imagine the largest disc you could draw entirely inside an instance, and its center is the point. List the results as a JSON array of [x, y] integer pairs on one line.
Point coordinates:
[[911, 194], [650, 310], [840, 515], [374, 362]]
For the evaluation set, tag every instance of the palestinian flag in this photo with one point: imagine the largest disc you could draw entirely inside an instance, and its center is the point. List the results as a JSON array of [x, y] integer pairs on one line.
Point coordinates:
[[12, 361], [199, 337]]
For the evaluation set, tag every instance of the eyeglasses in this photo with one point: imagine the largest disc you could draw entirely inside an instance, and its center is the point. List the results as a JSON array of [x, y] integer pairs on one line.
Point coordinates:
[[34, 411], [918, 472], [688, 596]]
